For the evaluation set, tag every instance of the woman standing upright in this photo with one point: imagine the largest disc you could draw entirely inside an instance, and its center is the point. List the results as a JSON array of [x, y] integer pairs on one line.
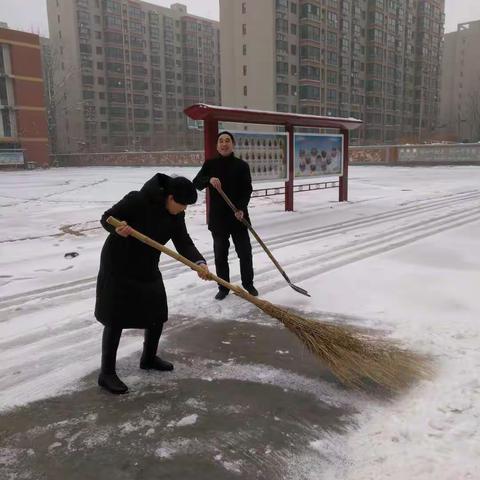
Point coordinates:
[[232, 175]]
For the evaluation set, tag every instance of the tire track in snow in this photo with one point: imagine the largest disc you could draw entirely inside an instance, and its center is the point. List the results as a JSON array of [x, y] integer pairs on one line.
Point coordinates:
[[171, 268]]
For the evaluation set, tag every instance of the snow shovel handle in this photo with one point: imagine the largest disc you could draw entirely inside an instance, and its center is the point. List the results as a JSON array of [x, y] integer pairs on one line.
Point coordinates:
[[254, 233], [162, 248]]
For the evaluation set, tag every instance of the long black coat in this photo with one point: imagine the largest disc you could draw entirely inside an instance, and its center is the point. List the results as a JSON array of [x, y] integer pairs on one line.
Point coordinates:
[[234, 174], [130, 290]]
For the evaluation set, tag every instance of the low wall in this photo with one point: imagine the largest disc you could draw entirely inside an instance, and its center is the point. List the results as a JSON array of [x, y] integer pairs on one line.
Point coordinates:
[[435, 154], [128, 159]]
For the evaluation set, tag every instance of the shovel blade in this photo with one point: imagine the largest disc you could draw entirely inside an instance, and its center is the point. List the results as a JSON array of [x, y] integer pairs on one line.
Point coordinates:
[[299, 289]]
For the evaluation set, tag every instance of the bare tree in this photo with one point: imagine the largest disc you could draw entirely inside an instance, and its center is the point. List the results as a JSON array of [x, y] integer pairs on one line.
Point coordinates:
[[55, 82]]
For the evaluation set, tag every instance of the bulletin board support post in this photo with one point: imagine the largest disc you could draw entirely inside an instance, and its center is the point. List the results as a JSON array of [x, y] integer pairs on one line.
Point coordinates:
[[343, 180], [291, 160]]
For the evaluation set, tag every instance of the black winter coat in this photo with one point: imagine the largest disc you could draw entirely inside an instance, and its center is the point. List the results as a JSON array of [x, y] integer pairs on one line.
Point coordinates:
[[234, 174], [130, 290]]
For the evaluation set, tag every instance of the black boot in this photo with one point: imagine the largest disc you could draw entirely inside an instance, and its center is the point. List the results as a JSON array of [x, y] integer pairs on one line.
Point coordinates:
[[149, 360], [252, 290], [221, 294], [108, 378]]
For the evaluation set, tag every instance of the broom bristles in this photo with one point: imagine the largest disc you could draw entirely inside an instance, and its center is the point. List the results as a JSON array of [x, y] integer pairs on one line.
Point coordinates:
[[354, 356]]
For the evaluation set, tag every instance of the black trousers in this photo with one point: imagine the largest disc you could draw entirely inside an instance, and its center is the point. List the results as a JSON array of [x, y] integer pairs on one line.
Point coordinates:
[[111, 339], [243, 247]]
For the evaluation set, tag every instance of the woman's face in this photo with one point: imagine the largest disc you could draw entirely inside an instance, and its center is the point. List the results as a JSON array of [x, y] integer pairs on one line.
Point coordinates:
[[173, 207], [224, 145]]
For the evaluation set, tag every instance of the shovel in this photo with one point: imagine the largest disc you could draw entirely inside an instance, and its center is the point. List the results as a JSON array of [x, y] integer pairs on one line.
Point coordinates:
[[259, 240]]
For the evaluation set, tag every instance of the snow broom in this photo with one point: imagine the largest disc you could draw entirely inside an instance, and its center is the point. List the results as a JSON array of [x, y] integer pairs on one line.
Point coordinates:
[[355, 356]]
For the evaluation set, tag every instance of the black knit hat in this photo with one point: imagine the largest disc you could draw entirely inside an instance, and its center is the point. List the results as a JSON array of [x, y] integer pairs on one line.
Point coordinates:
[[183, 190], [226, 133]]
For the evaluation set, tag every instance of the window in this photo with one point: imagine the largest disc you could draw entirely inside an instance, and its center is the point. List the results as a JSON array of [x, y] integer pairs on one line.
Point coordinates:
[[112, 21], [332, 20], [113, 6], [309, 92], [293, 7], [332, 39], [331, 95], [84, 48], [309, 73], [244, 29], [308, 10], [331, 77], [282, 68], [244, 49], [245, 91], [309, 32], [293, 49], [87, 79], [332, 58], [281, 25], [99, 50], [113, 52], [310, 53], [116, 83], [282, 88], [3, 91], [282, 45], [293, 28], [244, 7], [244, 70], [139, 85]]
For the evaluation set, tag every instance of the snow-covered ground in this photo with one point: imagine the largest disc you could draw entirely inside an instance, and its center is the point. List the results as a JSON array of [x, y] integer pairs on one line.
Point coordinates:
[[401, 256]]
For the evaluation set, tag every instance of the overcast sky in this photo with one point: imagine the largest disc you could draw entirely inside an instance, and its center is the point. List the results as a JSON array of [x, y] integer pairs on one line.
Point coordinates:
[[31, 15]]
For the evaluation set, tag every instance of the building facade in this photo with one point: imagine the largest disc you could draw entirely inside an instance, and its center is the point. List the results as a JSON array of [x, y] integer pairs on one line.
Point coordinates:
[[125, 70], [377, 60], [23, 122], [459, 116]]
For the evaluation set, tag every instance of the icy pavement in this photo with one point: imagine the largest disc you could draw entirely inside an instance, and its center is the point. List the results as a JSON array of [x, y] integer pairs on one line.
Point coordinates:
[[242, 401], [245, 400]]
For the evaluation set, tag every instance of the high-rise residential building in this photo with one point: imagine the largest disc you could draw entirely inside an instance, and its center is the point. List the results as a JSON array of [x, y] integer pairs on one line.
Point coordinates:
[[377, 60], [459, 115], [23, 122], [49, 92], [125, 70]]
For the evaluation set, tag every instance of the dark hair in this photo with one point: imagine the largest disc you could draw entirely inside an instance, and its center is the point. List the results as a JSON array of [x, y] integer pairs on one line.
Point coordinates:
[[226, 133], [182, 190]]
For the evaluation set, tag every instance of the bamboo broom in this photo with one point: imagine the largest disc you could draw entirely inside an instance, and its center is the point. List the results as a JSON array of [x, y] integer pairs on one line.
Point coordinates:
[[356, 357]]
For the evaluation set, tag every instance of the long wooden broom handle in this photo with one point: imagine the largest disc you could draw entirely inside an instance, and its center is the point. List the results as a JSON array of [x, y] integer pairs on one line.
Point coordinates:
[[254, 233], [162, 248]]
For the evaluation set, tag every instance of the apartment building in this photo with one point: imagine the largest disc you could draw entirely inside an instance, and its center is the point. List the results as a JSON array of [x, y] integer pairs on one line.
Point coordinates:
[[125, 70], [377, 60], [459, 116], [23, 122]]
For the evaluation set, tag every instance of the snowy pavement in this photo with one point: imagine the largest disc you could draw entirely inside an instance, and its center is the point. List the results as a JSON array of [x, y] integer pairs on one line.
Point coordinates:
[[245, 400]]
